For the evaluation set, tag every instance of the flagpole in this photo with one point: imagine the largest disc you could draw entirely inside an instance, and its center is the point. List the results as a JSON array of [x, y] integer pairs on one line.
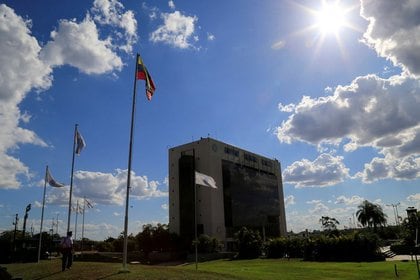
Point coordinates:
[[83, 223], [71, 178], [75, 224], [42, 215], [130, 151], [195, 214]]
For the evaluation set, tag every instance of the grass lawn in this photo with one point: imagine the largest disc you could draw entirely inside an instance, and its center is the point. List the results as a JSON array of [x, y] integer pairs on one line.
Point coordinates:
[[221, 269]]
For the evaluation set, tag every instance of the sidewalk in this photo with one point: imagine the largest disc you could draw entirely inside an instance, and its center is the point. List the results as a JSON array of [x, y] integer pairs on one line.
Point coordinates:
[[403, 258]]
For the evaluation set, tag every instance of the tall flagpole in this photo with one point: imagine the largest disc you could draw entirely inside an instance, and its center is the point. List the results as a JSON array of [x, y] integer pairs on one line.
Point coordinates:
[[195, 214], [130, 151], [75, 224], [83, 223], [71, 178], [42, 215]]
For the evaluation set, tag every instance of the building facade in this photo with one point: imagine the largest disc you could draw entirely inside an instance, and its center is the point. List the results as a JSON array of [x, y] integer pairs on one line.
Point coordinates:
[[249, 191]]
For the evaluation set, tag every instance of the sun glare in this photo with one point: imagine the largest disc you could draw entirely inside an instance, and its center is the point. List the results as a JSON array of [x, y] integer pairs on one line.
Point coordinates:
[[330, 18]]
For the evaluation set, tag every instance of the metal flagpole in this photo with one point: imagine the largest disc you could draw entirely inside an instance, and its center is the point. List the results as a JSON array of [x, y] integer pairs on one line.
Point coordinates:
[[71, 178], [195, 214], [83, 222], [75, 224], [130, 151], [42, 216]]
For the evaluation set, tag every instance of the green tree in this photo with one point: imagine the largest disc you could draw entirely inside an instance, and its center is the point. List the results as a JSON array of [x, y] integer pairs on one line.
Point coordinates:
[[329, 223], [371, 215], [410, 225]]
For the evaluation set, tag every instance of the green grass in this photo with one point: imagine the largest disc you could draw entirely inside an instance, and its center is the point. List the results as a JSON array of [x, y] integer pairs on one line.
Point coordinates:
[[221, 269]]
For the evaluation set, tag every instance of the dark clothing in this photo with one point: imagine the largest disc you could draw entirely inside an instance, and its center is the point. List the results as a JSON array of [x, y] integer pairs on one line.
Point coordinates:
[[67, 259], [67, 251]]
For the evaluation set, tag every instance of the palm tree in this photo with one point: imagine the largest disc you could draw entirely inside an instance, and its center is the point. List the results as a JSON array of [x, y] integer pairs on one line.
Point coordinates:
[[371, 214]]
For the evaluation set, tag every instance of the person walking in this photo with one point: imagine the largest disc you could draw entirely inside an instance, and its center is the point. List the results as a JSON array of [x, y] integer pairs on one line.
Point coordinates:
[[67, 251]]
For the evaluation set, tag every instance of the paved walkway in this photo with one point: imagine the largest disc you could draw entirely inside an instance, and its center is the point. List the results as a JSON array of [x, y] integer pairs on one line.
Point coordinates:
[[403, 258]]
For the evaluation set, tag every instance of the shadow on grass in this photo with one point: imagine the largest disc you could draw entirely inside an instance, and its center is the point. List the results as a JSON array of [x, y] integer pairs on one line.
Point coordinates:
[[108, 276], [47, 275]]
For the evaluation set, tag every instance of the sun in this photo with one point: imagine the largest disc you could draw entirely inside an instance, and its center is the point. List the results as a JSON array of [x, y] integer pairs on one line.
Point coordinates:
[[330, 18]]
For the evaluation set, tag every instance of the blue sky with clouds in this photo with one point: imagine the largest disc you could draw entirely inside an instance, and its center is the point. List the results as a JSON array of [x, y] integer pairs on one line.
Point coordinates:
[[334, 98]]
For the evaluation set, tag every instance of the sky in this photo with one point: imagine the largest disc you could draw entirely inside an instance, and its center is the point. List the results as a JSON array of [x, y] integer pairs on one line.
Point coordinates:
[[329, 88]]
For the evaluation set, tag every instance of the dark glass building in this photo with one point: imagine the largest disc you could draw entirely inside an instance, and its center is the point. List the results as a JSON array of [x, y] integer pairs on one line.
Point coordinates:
[[249, 191]]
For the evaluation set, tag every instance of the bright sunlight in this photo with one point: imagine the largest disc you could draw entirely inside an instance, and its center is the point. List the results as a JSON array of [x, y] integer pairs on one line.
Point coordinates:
[[330, 18]]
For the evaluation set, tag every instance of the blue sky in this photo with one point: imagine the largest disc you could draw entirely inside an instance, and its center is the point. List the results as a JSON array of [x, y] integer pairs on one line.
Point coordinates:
[[334, 98]]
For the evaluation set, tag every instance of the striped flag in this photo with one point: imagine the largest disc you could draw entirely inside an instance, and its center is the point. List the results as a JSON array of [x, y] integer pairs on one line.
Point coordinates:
[[89, 205], [52, 182], [143, 74], [80, 143]]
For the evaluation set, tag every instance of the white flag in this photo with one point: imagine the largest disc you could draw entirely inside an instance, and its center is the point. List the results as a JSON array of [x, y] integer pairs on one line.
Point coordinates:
[[205, 180], [80, 142], [52, 182]]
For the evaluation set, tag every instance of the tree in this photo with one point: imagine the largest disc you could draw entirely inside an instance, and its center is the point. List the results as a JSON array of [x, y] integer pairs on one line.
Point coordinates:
[[371, 214], [328, 223], [411, 224]]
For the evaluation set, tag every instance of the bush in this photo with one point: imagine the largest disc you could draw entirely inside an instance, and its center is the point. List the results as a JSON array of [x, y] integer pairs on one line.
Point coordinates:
[[354, 247], [207, 244], [276, 248], [402, 249], [249, 243]]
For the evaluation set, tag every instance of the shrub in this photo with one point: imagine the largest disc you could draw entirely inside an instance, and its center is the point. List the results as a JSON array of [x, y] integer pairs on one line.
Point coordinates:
[[354, 247], [249, 243], [207, 244]]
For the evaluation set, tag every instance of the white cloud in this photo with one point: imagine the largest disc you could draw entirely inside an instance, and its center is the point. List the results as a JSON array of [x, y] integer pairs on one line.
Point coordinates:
[[289, 200], [406, 168], [37, 204], [165, 206], [101, 231], [110, 188], [210, 37], [78, 45], [287, 108], [326, 170], [367, 111], [319, 209], [278, 45], [152, 11], [17, 48], [111, 12], [414, 197], [25, 117], [314, 201], [73, 43], [370, 112], [176, 30], [171, 4], [393, 31], [354, 200]]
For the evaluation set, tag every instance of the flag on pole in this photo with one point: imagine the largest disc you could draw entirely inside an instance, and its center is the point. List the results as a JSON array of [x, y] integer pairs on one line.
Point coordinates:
[[80, 142], [205, 180], [52, 182], [89, 205], [143, 74], [77, 209]]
